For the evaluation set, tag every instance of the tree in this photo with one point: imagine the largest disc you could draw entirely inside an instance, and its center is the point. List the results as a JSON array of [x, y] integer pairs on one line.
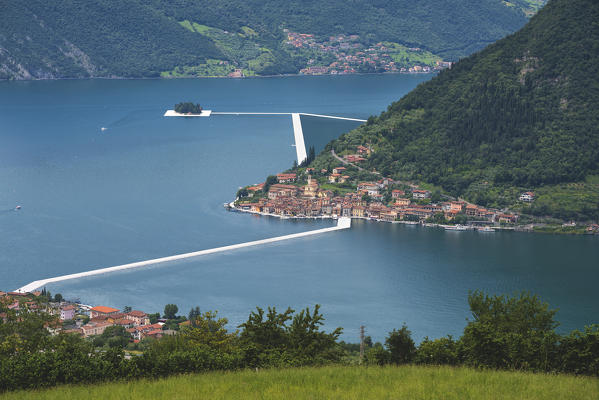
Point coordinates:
[[170, 311], [515, 332], [243, 192], [187, 108], [400, 345], [154, 317], [127, 309], [270, 180], [209, 331], [194, 313], [115, 336], [58, 298], [442, 351]]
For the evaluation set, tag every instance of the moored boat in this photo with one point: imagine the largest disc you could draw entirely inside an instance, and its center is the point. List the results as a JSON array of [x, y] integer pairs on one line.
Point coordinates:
[[457, 227]]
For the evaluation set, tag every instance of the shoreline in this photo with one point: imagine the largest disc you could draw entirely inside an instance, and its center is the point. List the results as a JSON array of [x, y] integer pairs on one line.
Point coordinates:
[[211, 77], [517, 228]]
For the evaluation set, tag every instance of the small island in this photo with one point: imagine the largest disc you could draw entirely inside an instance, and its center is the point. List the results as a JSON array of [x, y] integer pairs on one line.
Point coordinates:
[[188, 108]]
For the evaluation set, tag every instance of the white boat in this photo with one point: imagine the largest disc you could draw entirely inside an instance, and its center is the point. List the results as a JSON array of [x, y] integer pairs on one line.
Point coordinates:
[[457, 227], [486, 229]]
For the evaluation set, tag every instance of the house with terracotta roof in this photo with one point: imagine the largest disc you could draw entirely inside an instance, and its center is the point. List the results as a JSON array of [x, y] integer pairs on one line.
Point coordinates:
[[357, 211], [471, 210], [100, 311], [396, 193], [363, 150], [92, 329], [138, 317], [507, 218], [402, 202], [286, 178], [334, 177], [124, 322], [339, 170], [420, 194]]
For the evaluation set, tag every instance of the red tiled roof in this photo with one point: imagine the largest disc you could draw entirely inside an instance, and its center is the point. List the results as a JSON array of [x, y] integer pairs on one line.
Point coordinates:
[[137, 313], [104, 309]]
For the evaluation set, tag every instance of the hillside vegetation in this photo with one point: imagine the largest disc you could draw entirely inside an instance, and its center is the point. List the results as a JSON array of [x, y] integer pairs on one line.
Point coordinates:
[[406, 382], [132, 38], [505, 333], [519, 115]]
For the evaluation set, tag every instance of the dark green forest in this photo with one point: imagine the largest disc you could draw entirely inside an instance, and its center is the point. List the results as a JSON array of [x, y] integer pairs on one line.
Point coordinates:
[[131, 38], [520, 114]]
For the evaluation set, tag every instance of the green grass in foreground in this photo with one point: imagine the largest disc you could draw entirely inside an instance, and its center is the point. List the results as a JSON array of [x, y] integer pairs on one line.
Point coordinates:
[[407, 382]]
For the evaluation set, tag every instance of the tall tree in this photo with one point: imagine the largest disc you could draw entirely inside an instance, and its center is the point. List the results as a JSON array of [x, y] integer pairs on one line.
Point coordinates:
[[170, 311]]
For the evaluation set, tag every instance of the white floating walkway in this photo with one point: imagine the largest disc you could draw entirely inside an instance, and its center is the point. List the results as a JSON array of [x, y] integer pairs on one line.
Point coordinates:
[[342, 223], [298, 134], [173, 113]]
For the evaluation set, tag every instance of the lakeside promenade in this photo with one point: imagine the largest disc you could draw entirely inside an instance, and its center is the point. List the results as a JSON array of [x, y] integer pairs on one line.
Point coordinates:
[[342, 223]]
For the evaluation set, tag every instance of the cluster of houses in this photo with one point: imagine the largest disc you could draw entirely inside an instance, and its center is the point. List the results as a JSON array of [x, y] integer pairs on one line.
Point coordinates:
[[287, 199], [137, 323], [350, 55]]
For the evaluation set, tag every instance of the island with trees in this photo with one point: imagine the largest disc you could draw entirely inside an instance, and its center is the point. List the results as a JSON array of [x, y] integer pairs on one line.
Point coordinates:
[[188, 108]]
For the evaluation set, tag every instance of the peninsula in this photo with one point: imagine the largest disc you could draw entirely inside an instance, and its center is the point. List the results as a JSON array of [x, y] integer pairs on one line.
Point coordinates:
[[512, 132]]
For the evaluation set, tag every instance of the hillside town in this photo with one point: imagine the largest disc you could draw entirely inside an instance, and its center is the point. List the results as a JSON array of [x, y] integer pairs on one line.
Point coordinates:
[[341, 191], [86, 321], [346, 54], [310, 193]]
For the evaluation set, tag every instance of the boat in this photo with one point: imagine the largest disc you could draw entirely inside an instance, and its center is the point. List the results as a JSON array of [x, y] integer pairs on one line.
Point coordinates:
[[457, 227], [486, 229], [17, 207]]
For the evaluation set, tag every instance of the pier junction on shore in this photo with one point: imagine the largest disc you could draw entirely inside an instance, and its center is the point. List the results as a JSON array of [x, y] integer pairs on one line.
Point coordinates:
[[342, 223], [298, 134]]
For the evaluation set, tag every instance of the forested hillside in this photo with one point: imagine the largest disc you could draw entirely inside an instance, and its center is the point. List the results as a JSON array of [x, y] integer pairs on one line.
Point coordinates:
[[41, 39], [521, 114], [132, 38]]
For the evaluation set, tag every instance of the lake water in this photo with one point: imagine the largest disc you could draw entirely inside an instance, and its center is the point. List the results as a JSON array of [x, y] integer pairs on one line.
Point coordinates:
[[149, 186]]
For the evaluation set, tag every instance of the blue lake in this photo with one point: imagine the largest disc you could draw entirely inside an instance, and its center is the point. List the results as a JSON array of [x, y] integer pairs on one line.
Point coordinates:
[[149, 186]]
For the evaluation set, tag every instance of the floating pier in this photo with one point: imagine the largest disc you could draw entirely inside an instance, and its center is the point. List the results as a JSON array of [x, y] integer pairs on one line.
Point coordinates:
[[298, 134], [342, 223], [173, 113]]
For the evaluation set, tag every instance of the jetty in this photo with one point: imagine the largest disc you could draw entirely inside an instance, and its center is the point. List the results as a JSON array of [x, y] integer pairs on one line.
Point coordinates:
[[342, 223], [298, 134]]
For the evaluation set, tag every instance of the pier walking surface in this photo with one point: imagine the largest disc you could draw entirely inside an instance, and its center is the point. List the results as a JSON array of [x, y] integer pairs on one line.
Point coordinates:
[[342, 223], [298, 134]]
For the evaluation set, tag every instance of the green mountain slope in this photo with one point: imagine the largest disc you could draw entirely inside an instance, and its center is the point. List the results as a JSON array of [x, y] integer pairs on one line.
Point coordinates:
[[522, 113], [44, 39], [449, 28], [132, 38]]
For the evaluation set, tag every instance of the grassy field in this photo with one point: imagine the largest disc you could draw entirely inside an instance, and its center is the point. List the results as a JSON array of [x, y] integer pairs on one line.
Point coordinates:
[[407, 382]]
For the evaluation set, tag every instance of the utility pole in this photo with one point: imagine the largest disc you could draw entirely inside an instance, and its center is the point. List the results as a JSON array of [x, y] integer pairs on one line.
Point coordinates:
[[361, 343]]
